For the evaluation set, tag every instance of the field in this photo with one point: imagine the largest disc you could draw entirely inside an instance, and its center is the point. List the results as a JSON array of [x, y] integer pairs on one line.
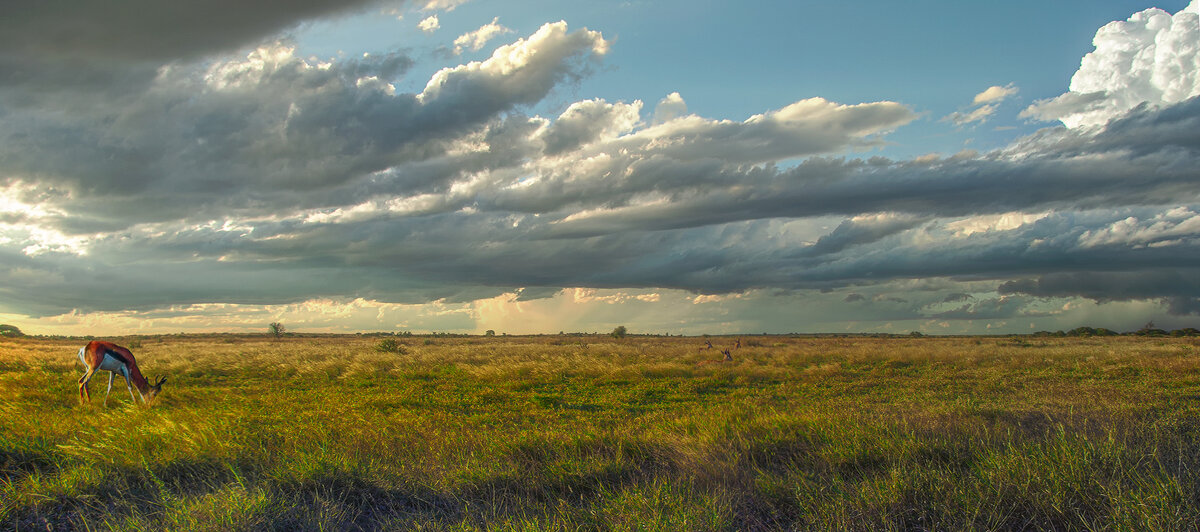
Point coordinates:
[[586, 433]]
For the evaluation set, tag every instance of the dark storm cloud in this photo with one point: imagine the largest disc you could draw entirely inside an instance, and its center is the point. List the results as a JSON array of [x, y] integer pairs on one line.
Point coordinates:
[[75, 55], [858, 231], [992, 308], [1179, 287], [149, 30], [39, 287]]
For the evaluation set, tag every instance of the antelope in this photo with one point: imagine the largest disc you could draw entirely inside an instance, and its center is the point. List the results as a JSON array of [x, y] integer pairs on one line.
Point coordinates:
[[728, 358], [97, 355]]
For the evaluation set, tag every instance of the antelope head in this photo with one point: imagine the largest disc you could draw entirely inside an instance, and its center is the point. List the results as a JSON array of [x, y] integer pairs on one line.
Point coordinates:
[[155, 389]]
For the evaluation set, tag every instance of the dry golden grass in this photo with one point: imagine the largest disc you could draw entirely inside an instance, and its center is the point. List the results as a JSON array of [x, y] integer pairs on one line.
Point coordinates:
[[640, 433]]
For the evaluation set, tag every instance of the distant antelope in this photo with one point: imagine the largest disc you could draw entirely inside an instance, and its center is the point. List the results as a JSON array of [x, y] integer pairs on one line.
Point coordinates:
[[728, 358], [97, 355], [709, 346]]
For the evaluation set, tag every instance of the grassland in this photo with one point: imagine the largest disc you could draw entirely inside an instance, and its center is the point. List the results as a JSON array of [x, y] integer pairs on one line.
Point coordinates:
[[567, 433]]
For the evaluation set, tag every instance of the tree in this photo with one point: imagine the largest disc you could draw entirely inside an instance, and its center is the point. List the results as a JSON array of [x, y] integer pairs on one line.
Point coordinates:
[[276, 329], [490, 333], [10, 330], [619, 332]]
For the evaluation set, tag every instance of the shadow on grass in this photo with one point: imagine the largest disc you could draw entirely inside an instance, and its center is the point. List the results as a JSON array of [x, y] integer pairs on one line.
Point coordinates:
[[794, 476], [22, 457]]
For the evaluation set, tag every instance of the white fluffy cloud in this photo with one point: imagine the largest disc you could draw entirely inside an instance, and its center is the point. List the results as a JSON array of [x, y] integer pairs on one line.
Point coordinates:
[[536, 59], [429, 24], [475, 40], [1153, 57], [669, 108]]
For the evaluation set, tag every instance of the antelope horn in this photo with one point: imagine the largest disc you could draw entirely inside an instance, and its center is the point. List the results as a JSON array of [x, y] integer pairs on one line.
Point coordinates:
[[161, 380]]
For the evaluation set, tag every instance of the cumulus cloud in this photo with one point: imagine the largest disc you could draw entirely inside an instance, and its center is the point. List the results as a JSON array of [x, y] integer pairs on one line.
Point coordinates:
[[524, 70], [1151, 58], [669, 108], [475, 40], [429, 24], [589, 120]]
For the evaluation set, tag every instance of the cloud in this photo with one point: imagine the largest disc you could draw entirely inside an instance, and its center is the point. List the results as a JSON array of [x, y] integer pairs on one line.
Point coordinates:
[[268, 179], [732, 229], [146, 30], [979, 114], [985, 104], [1151, 58], [443, 5], [429, 24], [587, 121], [474, 40], [1053, 169], [862, 229], [994, 94], [669, 108], [264, 131], [1177, 287], [523, 71]]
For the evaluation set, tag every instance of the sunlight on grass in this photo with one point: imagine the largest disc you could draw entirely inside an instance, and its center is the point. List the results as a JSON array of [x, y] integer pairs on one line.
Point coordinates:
[[512, 433]]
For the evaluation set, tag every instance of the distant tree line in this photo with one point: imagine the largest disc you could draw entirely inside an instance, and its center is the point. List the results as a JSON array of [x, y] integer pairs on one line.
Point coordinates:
[[1148, 330]]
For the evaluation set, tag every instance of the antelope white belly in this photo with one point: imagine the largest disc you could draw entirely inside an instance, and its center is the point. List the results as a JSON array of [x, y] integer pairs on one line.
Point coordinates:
[[114, 365]]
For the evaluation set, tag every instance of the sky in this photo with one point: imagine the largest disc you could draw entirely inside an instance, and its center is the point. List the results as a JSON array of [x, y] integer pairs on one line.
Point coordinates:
[[537, 167]]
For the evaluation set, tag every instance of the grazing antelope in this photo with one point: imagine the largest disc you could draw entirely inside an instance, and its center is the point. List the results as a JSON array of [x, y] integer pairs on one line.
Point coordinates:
[[111, 357], [728, 358]]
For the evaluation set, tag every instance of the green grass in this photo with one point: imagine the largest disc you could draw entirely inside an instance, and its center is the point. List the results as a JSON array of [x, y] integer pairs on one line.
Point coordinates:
[[556, 433]]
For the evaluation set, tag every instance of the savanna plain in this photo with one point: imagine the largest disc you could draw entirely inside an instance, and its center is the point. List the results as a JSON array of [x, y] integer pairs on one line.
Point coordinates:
[[596, 433]]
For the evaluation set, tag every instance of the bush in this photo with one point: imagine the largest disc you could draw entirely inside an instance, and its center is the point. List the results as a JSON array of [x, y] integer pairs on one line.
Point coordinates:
[[619, 332], [390, 345]]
